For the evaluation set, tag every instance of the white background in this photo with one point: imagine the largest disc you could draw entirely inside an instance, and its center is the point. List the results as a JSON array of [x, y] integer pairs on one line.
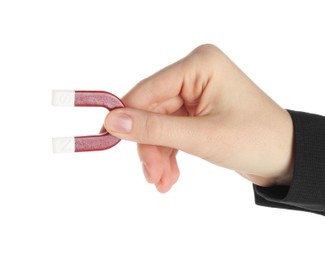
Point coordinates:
[[98, 205]]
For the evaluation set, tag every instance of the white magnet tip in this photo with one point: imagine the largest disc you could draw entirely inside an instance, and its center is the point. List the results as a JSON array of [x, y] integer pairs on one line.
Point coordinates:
[[63, 145], [63, 98]]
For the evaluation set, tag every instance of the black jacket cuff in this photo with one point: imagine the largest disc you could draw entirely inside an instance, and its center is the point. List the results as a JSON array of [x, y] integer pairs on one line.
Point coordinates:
[[307, 190]]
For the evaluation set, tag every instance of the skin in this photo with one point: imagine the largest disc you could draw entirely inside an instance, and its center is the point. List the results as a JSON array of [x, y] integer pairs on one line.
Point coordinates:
[[206, 106]]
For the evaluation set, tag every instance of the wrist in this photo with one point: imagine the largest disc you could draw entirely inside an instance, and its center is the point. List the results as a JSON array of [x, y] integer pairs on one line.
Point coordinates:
[[286, 174]]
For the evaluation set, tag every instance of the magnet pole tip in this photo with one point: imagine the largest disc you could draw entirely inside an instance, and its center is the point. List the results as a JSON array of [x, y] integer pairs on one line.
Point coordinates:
[[63, 98], [63, 145]]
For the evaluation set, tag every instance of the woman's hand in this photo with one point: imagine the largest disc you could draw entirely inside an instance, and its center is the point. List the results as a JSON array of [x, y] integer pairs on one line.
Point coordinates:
[[206, 106]]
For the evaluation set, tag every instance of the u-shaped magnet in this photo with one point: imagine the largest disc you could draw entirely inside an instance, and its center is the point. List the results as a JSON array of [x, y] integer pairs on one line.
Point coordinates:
[[82, 98]]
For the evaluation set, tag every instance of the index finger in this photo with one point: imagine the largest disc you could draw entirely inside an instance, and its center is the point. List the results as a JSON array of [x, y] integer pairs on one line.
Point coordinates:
[[162, 86]]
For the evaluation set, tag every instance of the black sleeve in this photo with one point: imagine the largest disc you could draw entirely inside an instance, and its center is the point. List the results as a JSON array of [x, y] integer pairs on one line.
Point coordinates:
[[307, 190]]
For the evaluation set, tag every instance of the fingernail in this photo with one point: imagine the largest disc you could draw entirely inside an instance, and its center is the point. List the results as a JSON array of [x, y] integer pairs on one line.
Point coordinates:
[[121, 123]]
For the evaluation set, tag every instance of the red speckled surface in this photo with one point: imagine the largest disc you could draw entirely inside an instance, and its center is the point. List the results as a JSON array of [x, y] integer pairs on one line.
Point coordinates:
[[95, 143], [96, 99]]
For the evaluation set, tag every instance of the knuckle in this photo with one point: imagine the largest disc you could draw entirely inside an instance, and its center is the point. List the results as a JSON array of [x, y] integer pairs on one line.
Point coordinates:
[[207, 50], [206, 56], [153, 129]]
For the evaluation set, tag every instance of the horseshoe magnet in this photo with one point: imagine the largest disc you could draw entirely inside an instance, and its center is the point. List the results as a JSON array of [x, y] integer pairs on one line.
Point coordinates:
[[78, 98]]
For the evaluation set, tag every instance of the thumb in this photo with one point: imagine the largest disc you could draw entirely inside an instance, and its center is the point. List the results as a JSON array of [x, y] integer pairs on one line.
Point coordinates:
[[182, 133]]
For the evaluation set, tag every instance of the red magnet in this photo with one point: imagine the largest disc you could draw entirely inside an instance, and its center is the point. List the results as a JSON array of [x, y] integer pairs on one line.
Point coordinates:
[[71, 98]]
